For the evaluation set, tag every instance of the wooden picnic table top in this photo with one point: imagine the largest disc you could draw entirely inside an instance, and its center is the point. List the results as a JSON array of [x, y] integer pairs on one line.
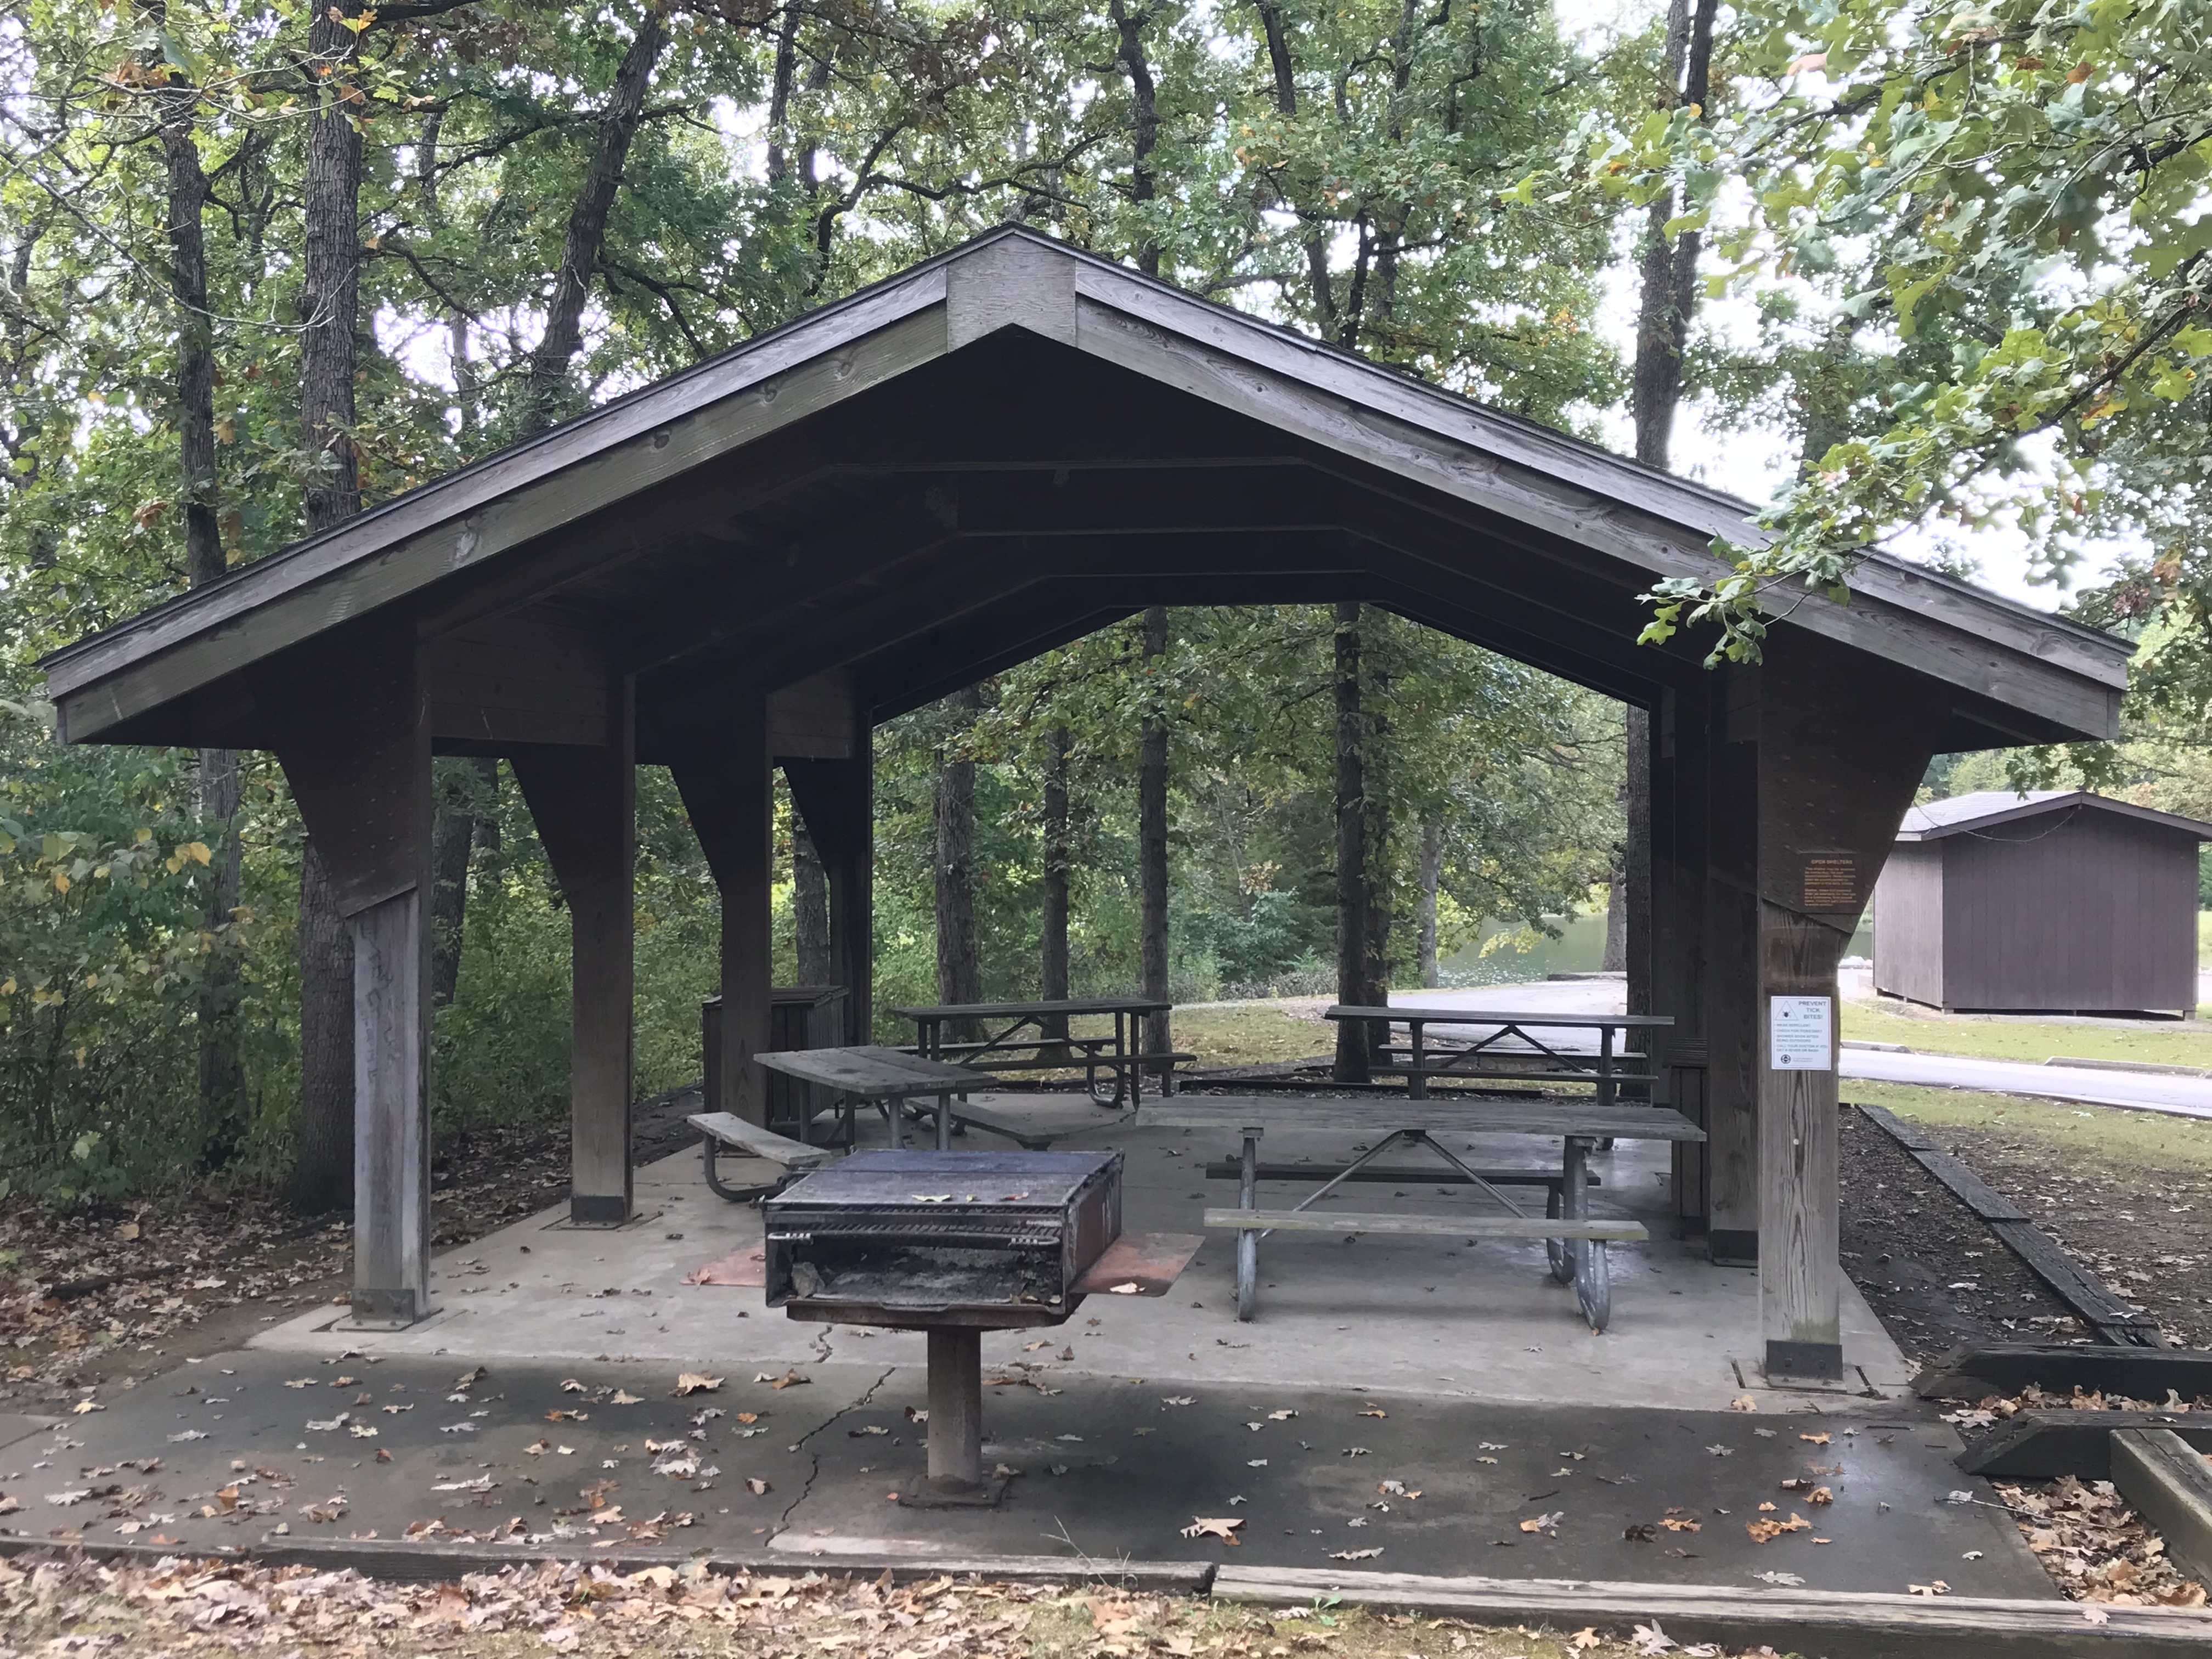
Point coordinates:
[[1371, 1115], [1497, 1017], [1065, 1005], [874, 1073]]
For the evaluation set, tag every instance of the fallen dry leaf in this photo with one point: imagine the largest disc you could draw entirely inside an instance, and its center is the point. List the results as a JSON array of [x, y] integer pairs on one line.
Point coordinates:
[[1937, 1588], [1129, 1289], [1815, 1439], [756, 1487], [1355, 1555], [1743, 1403], [699, 1382], [1222, 1526]]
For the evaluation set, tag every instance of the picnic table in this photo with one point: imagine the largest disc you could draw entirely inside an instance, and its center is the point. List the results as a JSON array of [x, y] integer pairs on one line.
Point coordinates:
[[1574, 1242], [1030, 1038], [1539, 1059], [887, 1076]]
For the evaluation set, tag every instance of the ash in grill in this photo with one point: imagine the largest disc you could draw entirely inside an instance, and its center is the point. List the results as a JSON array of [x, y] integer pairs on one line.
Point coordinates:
[[979, 1239]]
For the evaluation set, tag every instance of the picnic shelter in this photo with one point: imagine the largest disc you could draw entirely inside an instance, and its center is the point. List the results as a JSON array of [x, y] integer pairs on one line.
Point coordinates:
[[751, 563]]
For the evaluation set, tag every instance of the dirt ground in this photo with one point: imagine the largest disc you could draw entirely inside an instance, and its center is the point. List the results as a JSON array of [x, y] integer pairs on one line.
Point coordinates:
[[1935, 1275], [110, 1293], [2146, 1232]]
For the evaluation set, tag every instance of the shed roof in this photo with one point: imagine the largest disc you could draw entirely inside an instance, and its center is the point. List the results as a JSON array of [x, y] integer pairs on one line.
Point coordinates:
[[1984, 808], [1027, 442]]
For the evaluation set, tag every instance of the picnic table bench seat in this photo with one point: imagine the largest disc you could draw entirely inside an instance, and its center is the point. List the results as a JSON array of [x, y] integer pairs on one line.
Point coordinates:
[[725, 1132], [1575, 1242]]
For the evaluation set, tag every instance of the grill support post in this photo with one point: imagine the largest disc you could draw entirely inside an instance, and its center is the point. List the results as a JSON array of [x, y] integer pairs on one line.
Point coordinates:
[[956, 1409]]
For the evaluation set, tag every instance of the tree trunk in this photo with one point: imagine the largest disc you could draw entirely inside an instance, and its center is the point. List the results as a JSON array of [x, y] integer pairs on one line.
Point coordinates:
[[221, 1069], [1669, 272], [1052, 975], [322, 1178], [1352, 1044], [1152, 845], [1145, 124], [1432, 867], [809, 907], [330, 304], [959, 972], [588, 226], [1375, 703], [467, 794]]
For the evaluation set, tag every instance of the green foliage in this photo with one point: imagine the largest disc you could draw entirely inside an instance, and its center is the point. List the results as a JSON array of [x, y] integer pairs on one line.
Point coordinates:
[[2024, 182]]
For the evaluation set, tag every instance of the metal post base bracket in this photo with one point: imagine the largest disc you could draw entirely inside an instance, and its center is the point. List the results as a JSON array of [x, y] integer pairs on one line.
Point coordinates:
[[923, 1493]]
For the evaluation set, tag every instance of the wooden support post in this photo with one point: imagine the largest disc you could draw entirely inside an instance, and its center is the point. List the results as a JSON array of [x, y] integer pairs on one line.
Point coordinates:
[[837, 799], [358, 760], [584, 802], [727, 789], [1679, 822], [1731, 989], [1836, 774]]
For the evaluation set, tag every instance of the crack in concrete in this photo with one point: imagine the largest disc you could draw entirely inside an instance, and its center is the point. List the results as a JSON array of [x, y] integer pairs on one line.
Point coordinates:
[[814, 1458]]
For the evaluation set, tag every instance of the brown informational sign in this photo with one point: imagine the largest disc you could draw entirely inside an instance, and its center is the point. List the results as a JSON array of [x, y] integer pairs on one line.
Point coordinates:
[[1831, 883]]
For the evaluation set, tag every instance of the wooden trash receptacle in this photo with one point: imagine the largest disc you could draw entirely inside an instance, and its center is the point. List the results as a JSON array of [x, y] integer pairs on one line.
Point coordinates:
[[798, 1017]]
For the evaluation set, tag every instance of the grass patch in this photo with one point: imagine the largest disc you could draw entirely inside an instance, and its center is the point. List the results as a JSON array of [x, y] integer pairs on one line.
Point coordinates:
[[2032, 1041], [1260, 1034], [2144, 1143]]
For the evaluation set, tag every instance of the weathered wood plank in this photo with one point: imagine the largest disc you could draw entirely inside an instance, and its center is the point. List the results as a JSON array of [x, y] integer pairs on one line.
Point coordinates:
[[1402, 1175], [2168, 1482], [814, 720], [874, 1072], [1440, 1226], [1835, 1623], [2134, 1373], [1367, 1116], [2044, 1445], [756, 1142]]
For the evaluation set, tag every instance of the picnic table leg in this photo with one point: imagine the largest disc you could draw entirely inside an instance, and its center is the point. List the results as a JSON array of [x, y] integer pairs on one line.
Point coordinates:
[[1416, 1082], [894, 1112], [1121, 1022], [1248, 1241], [945, 1123], [1593, 1269]]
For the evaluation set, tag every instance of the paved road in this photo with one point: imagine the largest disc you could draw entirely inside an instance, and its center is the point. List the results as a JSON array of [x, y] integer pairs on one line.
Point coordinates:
[[2184, 1096]]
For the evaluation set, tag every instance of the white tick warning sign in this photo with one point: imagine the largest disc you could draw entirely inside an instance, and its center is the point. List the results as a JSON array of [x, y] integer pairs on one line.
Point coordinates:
[[1799, 1034]]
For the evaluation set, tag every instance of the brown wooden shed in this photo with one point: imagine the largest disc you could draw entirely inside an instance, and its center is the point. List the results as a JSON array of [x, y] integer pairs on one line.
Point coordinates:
[[751, 563], [2056, 901]]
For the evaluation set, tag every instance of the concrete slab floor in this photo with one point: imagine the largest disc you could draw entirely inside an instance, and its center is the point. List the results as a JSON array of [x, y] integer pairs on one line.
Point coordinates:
[[271, 1445], [1417, 1315]]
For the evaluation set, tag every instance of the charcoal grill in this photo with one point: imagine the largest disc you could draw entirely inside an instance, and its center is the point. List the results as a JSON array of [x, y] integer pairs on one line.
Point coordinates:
[[955, 1245], [988, 1240]]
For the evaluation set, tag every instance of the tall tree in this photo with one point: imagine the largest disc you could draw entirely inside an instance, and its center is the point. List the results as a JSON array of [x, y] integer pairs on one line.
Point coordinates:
[[587, 227], [1152, 836], [1432, 864], [959, 965], [1669, 266], [1354, 913], [329, 358], [809, 907], [1145, 118], [177, 102], [1053, 968]]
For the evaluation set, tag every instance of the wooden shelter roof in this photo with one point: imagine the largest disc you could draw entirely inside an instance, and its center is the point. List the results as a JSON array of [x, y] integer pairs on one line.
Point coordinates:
[[994, 453]]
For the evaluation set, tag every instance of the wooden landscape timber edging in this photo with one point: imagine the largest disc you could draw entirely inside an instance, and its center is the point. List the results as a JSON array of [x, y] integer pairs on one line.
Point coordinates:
[[2044, 1445], [2011, 1368], [2168, 1482], [2092, 1300], [1818, 1624]]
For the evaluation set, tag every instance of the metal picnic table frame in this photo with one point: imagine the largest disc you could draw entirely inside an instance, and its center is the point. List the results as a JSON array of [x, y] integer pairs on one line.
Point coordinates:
[[1580, 1261], [1117, 1053], [1606, 1076]]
